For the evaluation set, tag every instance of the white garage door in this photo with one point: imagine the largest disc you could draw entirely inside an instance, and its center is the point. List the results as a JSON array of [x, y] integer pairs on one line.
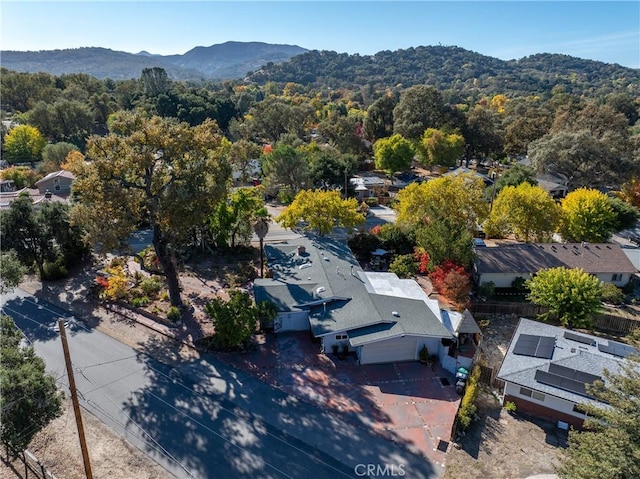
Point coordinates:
[[291, 321], [389, 351]]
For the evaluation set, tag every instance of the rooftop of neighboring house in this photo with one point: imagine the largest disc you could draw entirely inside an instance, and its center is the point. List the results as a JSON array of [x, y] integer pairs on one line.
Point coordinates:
[[324, 278], [559, 362], [531, 257], [38, 198], [56, 174]]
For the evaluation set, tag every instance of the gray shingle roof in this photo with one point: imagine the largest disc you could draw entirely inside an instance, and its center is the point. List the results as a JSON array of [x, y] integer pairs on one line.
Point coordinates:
[[360, 300], [593, 258], [521, 370]]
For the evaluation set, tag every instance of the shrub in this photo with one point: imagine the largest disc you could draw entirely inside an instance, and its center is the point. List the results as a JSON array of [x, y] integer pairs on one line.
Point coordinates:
[[467, 405], [456, 287], [54, 270], [151, 286], [520, 285], [233, 321], [117, 262], [487, 289], [173, 314], [267, 312], [404, 266], [423, 260], [140, 302], [510, 406], [611, 294]]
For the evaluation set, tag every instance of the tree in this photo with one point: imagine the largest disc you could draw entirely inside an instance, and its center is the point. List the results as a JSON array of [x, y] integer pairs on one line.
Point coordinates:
[[329, 168], [322, 211], [393, 154], [438, 147], [570, 294], [514, 176], [587, 215], [30, 399], [524, 210], [626, 215], [420, 107], [24, 143], [483, 133], [234, 321], [231, 223], [445, 240], [154, 81], [153, 171], [457, 198], [11, 271], [609, 445], [286, 166], [54, 155], [22, 176], [261, 228], [41, 235], [378, 122]]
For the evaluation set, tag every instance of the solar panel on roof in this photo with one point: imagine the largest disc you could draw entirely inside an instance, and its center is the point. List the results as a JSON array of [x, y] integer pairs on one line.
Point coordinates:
[[617, 349], [575, 374], [535, 346], [579, 339], [560, 382]]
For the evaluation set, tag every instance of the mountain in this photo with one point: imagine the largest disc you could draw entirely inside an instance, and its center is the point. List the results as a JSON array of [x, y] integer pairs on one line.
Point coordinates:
[[454, 68], [217, 62]]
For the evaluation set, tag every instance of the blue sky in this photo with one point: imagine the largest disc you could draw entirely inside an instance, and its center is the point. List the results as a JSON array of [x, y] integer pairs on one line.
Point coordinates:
[[605, 31]]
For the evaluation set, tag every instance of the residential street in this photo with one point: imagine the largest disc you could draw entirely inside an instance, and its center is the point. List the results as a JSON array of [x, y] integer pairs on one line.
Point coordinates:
[[200, 418]]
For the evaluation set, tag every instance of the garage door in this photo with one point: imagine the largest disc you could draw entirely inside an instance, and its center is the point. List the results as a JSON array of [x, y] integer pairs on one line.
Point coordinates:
[[389, 351]]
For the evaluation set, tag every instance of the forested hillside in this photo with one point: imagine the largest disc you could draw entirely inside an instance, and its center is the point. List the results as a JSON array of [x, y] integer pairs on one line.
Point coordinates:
[[452, 68]]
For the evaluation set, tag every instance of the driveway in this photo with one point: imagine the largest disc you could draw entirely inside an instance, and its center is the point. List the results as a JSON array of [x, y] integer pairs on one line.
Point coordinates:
[[408, 403], [198, 417]]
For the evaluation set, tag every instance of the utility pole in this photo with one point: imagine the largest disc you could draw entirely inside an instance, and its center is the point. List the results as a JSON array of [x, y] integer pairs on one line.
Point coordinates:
[[74, 400]]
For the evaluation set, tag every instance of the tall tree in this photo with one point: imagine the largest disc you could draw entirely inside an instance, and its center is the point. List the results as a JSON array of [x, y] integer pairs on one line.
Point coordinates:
[[232, 221], [420, 107], [24, 143], [609, 445], [379, 120], [322, 210], [457, 198], [30, 399], [587, 215], [154, 81], [11, 271], [155, 171], [571, 295], [483, 133], [286, 166], [393, 154], [439, 147], [524, 210], [54, 154]]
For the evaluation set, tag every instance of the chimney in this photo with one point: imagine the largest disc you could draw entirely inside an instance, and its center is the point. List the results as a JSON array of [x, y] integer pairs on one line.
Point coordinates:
[[301, 250]]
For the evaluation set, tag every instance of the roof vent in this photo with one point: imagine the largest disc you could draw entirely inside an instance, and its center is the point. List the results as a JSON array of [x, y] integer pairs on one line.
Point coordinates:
[[320, 289], [395, 313]]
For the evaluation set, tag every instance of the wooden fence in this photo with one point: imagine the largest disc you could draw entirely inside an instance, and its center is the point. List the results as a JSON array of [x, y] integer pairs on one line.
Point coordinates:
[[32, 467], [488, 376], [605, 322]]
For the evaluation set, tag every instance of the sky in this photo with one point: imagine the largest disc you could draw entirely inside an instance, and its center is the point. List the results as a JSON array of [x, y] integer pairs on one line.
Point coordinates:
[[607, 31]]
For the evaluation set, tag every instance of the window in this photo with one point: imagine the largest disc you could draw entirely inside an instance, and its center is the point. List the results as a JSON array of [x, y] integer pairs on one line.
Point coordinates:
[[532, 394], [537, 395], [525, 392], [340, 337], [616, 277], [56, 180], [57, 187]]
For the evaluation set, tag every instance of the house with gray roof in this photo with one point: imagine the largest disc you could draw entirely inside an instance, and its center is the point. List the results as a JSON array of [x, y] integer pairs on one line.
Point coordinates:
[[317, 285], [58, 182], [547, 369], [504, 263]]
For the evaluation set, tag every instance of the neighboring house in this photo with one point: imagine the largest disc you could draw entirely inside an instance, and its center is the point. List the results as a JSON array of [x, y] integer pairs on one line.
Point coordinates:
[[503, 264], [546, 369], [58, 183], [369, 187], [249, 175], [463, 170], [36, 197], [318, 285], [554, 185]]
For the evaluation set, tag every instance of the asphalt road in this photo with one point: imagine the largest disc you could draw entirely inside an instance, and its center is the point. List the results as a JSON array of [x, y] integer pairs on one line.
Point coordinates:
[[203, 419]]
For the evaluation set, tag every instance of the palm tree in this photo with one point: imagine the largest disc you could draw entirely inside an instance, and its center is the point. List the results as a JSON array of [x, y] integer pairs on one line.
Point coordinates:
[[261, 228]]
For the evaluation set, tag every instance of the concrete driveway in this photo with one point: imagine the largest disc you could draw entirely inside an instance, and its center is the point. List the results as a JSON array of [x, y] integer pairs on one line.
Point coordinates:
[[408, 403]]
